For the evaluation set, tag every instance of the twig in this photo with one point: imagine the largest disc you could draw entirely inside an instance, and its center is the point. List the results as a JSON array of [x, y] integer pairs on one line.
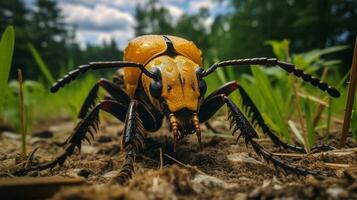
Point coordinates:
[[300, 117], [184, 165], [321, 107], [30, 157], [337, 165], [350, 98], [329, 115], [211, 134], [336, 152], [313, 98], [161, 159], [290, 154], [22, 113], [297, 133]]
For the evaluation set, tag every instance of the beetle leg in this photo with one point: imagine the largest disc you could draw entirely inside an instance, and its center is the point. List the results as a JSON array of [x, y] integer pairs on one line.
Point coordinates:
[[88, 125], [239, 122], [151, 121], [115, 92], [133, 140], [252, 111], [211, 128], [210, 106], [256, 118]]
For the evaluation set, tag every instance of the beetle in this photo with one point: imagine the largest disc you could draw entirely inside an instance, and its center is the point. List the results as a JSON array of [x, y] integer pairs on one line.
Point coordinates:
[[161, 76]]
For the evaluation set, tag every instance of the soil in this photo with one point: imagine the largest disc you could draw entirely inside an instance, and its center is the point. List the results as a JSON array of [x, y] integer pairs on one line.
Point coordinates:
[[222, 169]]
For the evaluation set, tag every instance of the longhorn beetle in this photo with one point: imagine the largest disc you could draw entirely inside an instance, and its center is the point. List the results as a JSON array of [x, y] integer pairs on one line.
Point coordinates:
[[162, 76]]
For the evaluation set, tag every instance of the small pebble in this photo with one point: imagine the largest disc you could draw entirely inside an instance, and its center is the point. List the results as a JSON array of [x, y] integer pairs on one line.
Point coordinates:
[[337, 193], [43, 134], [33, 174], [84, 173], [104, 139], [111, 150]]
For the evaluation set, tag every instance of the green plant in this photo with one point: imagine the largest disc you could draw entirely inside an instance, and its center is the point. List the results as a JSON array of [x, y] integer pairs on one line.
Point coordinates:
[[33, 92], [280, 97], [40, 63], [22, 117], [6, 50], [272, 98]]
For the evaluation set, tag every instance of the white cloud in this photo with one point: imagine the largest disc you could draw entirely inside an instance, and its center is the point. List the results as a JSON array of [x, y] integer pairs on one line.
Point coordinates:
[[101, 20], [208, 22], [99, 37], [195, 6], [100, 17], [175, 11]]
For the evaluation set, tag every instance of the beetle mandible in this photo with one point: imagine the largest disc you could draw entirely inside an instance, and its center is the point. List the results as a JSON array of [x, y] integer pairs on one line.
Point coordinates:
[[162, 77]]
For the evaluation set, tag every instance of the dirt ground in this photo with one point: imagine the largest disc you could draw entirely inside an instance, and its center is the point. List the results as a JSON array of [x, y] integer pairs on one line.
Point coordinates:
[[221, 170]]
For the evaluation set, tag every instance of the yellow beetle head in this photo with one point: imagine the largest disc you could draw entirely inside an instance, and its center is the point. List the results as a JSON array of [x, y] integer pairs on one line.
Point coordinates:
[[178, 91]]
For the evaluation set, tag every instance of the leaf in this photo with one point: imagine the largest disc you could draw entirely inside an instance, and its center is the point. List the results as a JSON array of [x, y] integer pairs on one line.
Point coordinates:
[[314, 55], [40, 63], [6, 51], [221, 76], [267, 93], [297, 133], [280, 48]]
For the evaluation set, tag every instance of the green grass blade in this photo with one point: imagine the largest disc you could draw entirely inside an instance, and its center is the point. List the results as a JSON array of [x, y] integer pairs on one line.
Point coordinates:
[[331, 104], [314, 55], [41, 64], [280, 48], [6, 51], [309, 122], [221, 76], [266, 91]]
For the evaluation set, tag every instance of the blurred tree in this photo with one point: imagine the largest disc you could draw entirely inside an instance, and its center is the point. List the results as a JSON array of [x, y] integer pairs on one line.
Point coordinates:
[[153, 18], [107, 51], [15, 13], [197, 31], [309, 25], [43, 25], [220, 37], [50, 34], [243, 30]]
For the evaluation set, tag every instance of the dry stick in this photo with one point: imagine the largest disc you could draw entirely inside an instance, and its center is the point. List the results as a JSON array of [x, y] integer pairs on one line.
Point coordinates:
[[22, 113], [321, 107], [351, 94], [336, 153], [184, 165], [161, 159], [298, 106]]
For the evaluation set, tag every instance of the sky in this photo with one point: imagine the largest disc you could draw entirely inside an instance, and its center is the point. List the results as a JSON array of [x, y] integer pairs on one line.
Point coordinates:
[[101, 20]]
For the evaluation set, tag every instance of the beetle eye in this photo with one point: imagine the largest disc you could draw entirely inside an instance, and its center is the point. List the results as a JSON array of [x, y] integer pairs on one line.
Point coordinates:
[[155, 88], [202, 86], [156, 85]]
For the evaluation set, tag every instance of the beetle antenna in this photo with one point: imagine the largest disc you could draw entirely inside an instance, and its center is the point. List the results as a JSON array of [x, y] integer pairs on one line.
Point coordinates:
[[95, 66], [174, 128], [275, 62], [196, 124]]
